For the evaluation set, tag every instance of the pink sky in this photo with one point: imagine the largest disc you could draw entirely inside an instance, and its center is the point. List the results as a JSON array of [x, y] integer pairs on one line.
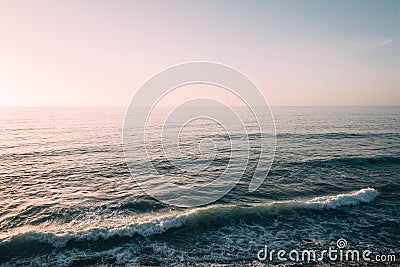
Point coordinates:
[[98, 53]]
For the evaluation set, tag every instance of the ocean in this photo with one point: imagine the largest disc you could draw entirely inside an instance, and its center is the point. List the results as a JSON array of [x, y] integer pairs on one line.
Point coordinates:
[[68, 197]]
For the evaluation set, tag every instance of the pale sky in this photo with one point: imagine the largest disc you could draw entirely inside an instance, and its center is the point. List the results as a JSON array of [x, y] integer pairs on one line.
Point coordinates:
[[98, 53]]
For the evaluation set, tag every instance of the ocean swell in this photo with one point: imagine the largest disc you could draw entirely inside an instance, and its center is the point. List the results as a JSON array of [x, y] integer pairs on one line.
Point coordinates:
[[365, 195], [163, 223]]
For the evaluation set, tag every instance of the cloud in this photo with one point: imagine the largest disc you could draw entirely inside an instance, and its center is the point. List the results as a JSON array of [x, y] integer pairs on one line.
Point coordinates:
[[385, 42]]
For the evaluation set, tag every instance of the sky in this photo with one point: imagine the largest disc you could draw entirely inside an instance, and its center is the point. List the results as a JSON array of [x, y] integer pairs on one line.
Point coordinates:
[[98, 53]]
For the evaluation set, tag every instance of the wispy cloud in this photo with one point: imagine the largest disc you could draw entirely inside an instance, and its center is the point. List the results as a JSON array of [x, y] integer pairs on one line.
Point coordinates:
[[385, 42]]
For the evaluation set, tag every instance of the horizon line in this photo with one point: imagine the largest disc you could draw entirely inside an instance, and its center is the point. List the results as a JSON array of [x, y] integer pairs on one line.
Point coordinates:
[[167, 106]]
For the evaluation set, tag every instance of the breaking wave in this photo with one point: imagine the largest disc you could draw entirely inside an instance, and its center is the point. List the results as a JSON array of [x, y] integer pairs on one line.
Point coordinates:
[[163, 223]]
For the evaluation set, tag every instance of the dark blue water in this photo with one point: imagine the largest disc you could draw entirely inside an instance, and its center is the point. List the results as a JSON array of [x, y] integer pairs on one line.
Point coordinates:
[[68, 198]]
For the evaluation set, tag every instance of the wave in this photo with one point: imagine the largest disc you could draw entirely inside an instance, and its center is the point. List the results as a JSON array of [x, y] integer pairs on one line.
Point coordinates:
[[163, 223], [365, 195], [146, 228], [351, 161], [309, 136], [338, 135]]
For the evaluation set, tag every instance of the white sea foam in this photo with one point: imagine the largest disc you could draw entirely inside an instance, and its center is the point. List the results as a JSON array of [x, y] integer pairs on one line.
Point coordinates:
[[157, 225], [161, 223], [365, 195]]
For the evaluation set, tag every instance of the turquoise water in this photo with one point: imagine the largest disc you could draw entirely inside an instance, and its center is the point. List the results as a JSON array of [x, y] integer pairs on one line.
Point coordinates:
[[68, 198]]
